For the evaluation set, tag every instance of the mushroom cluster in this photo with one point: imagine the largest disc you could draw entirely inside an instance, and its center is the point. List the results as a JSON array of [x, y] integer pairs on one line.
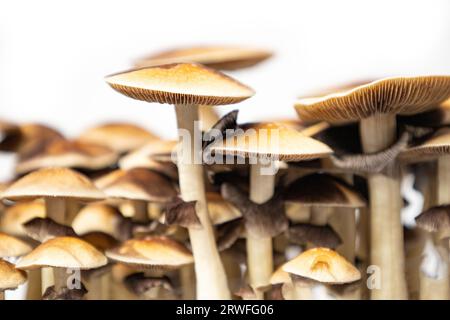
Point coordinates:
[[284, 209]]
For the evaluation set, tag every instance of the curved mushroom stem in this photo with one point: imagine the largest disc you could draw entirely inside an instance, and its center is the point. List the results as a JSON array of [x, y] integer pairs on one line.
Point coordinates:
[[34, 285], [140, 211], [387, 253], [210, 274], [259, 250]]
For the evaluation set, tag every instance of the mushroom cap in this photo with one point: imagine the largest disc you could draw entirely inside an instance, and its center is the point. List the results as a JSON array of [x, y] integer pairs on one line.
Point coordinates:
[[323, 190], [435, 219], [280, 276], [221, 211], [160, 150], [141, 184], [180, 83], [9, 135], [436, 146], [100, 240], [323, 265], [152, 252], [217, 57], [53, 182], [65, 153], [120, 137], [63, 252], [13, 218], [10, 277], [434, 118], [270, 140], [396, 95], [12, 247], [97, 217]]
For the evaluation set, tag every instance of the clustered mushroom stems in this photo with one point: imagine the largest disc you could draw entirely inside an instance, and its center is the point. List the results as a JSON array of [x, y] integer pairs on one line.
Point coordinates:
[[210, 274], [386, 246], [259, 250]]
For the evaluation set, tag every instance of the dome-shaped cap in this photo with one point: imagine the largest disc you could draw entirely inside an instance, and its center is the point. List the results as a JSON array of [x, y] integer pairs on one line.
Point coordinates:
[[217, 57], [10, 277], [120, 137], [323, 190], [180, 83], [141, 184], [436, 146], [152, 252], [270, 140], [323, 265], [13, 218], [221, 211], [64, 153], [63, 252], [97, 217], [53, 182], [397, 95], [12, 247]]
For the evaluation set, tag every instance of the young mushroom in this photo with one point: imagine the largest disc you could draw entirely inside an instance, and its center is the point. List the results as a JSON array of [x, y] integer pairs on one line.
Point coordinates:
[[10, 277], [188, 85], [376, 105]]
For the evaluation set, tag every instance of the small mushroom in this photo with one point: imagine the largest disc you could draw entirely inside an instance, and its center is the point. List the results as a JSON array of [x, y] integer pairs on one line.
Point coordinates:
[[10, 277]]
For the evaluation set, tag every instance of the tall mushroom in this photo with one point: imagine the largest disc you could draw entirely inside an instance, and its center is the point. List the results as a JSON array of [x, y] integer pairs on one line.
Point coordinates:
[[375, 105], [188, 85]]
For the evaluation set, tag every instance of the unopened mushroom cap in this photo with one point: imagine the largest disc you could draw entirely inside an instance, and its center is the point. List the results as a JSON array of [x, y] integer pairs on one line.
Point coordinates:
[[53, 182], [323, 265], [97, 217], [120, 137], [436, 146], [63, 252], [271, 140], [180, 83], [12, 247], [152, 252], [217, 57], [221, 211], [396, 95], [141, 184], [13, 218], [323, 190], [65, 153], [10, 277]]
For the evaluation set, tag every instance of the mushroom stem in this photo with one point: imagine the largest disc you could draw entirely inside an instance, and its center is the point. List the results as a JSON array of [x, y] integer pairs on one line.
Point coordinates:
[[34, 285], [210, 273], [56, 209], [302, 291], [259, 250], [47, 278], [140, 211], [61, 277], [387, 253]]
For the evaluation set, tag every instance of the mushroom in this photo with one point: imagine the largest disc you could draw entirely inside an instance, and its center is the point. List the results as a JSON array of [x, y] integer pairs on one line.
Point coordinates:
[[43, 229], [375, 104], [188, 85], [321, 265], [315, 235], [435, 118], [12, 220], [11, 247], [63, 253], [118, 136], [263, 143], [283, 279], [10, 277]]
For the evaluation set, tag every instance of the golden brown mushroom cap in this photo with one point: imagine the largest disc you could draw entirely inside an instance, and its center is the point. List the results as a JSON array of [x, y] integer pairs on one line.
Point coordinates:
[[217, 57], [120, 137], [397, 95], [10, 277], [63, 252], [323, 265], [180, 83], [53, 182], [271, 140], [13, 218], [160, 150], [221, 211], [436, 146], [64, 153], [152, 252], [12, 247], [97, 217]]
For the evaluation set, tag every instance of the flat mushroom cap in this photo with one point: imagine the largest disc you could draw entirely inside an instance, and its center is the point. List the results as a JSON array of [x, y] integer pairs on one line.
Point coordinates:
[[323, 265], [180, 83], [120, 137], [221, 211], [270, 140], [396, 95], [323, 190], [141, 184], [97, 217], [152, 252], [436, 146], [53, 182], [12, 247], [13, 218], [10, 277], [65, 153], [63, 252], [217, 57]]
